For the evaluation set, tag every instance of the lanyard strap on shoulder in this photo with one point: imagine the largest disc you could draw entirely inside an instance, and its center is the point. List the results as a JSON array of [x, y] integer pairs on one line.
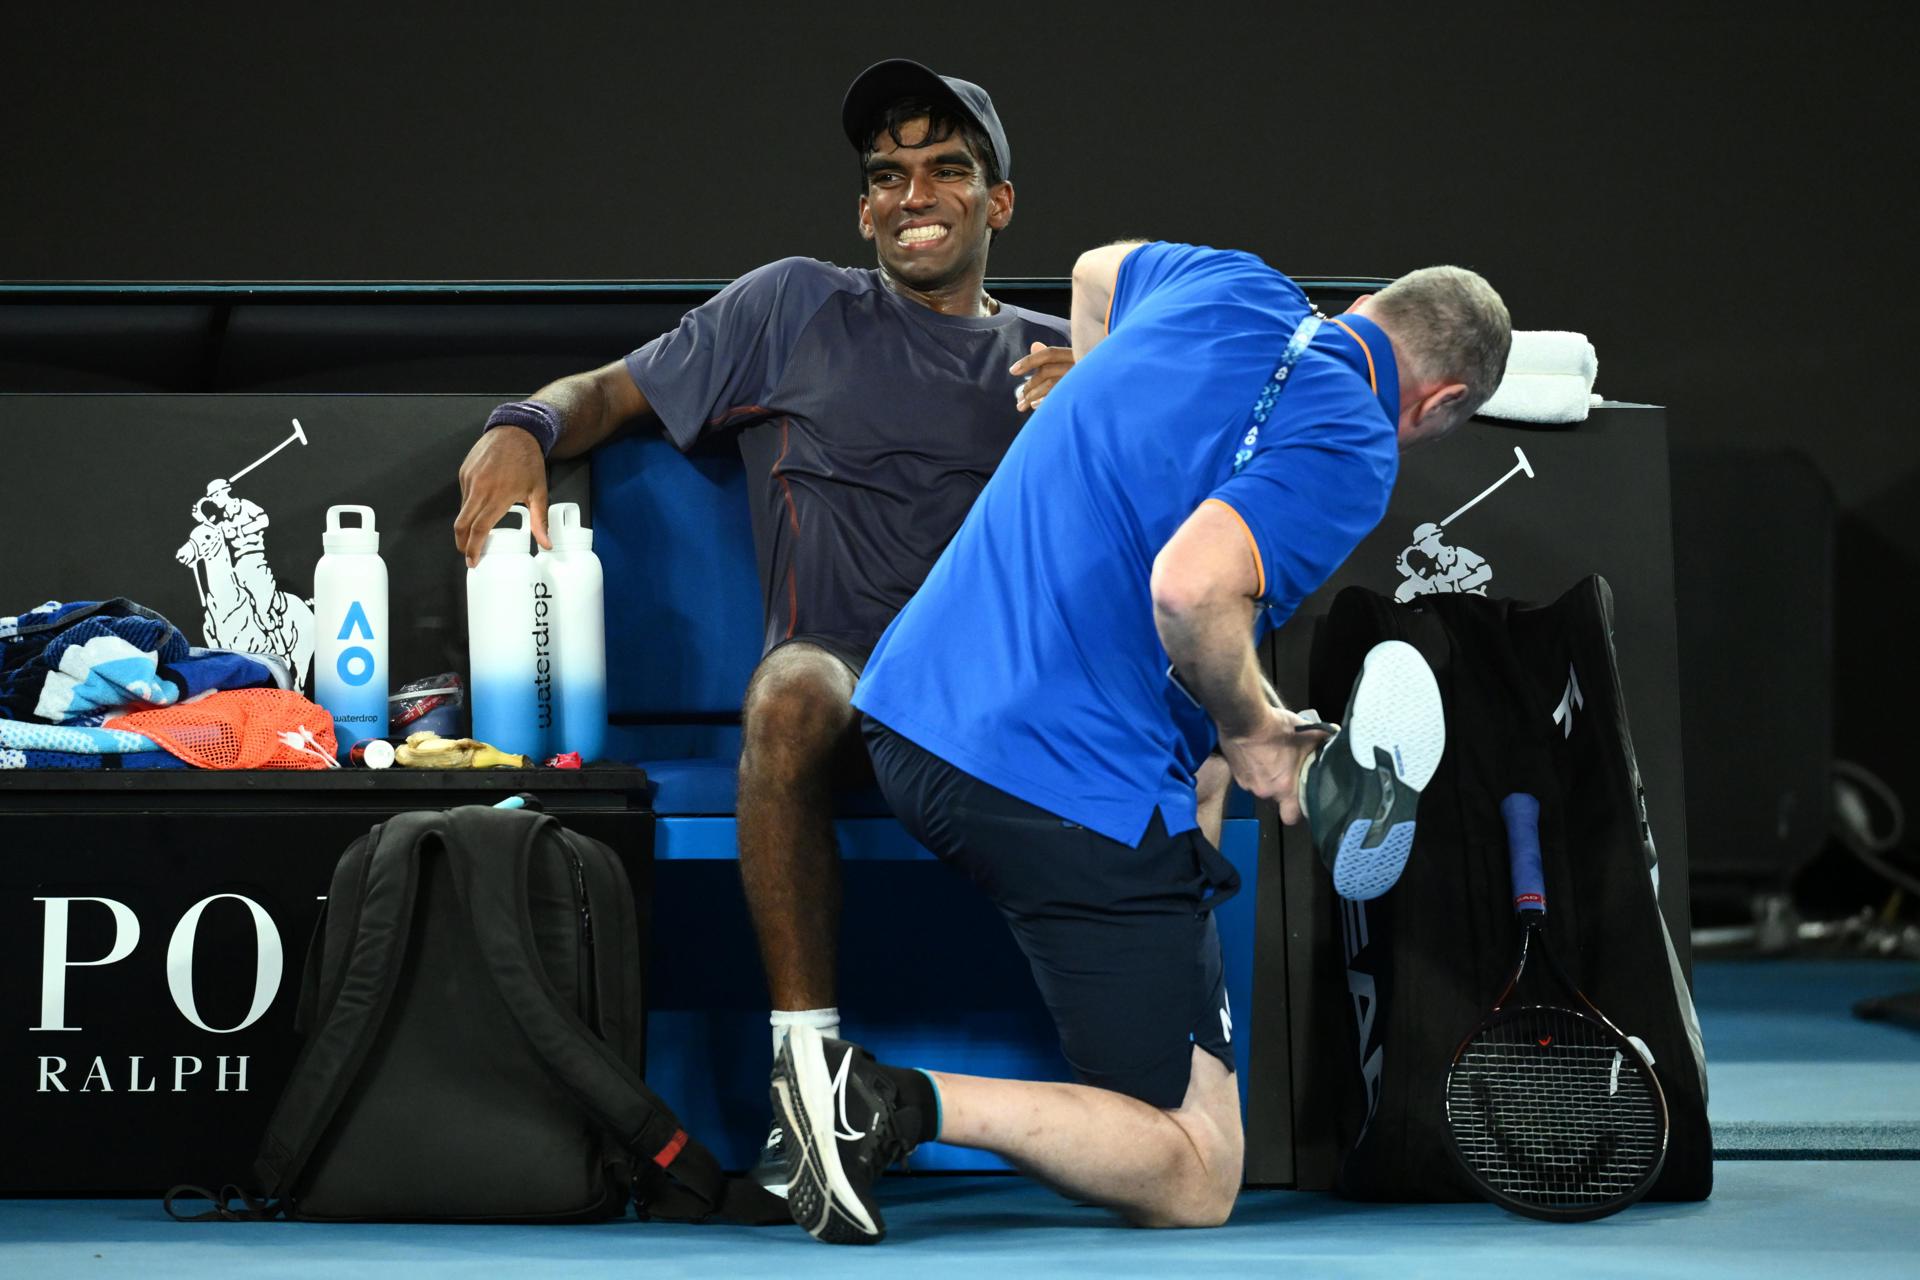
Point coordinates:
[[1269, 394]]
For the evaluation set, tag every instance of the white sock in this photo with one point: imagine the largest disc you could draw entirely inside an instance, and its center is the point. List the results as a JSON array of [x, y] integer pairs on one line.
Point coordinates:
[[825, 1021]]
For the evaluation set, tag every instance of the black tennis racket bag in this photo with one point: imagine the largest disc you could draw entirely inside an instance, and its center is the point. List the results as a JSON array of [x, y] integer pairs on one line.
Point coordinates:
[[1533, 704], [473, 1023]]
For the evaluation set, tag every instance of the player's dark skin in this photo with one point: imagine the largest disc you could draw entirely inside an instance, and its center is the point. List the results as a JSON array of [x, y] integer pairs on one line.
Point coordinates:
[[930, 213], [800, 739], [801, 736], [799, 742]]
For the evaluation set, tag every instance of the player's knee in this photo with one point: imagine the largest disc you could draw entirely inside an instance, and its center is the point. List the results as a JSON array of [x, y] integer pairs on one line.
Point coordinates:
[[796, 708]]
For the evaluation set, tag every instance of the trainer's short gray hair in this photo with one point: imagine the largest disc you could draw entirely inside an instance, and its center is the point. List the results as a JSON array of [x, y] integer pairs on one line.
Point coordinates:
[[1449, 325]]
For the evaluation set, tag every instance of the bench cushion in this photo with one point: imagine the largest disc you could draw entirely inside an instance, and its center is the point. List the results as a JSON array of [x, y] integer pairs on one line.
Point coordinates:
[[710, 787], [674, 538]]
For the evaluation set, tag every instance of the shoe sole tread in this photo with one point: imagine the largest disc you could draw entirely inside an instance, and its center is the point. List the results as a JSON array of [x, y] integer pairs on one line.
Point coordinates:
[[1394, 709]]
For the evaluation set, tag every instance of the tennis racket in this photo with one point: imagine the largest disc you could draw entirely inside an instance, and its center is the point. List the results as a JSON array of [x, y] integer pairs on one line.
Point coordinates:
[[1551, 1111]]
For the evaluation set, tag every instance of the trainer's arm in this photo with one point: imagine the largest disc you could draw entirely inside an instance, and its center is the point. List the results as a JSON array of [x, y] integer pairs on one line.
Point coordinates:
[[1094, 277], [504, 466], [1205, 582], [1203, 585]]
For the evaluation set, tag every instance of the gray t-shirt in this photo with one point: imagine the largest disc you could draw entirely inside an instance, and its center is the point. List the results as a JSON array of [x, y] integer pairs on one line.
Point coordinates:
[[868, 425]]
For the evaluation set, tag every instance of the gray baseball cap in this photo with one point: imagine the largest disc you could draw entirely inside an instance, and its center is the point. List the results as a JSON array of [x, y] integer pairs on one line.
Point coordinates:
[[896, 78]]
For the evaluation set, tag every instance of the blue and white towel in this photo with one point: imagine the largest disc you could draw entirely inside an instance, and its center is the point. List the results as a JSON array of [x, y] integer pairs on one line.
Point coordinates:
[[73, 739], [83, 662], [14, 759]]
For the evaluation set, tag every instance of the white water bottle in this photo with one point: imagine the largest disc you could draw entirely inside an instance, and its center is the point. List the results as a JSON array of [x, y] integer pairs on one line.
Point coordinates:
[[350, 672], [572, 574], [501, 644]]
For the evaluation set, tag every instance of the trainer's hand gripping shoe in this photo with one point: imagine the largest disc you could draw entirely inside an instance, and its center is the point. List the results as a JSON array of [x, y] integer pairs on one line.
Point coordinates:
[[843, 1130], [1360, 790]]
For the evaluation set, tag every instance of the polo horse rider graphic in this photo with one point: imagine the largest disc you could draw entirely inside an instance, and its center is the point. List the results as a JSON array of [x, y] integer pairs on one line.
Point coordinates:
[[242, 607], [1430, 565]]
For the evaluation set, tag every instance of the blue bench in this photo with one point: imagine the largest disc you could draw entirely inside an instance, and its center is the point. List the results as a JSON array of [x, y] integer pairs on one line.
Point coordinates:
[[929, 974]]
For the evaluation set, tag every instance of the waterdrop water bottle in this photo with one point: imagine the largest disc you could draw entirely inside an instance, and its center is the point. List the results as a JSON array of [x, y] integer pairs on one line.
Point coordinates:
[[572, 574], [350, 672], [501, 623]]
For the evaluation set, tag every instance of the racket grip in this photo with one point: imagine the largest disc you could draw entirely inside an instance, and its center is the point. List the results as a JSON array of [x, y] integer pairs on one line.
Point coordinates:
[[1522, 815]]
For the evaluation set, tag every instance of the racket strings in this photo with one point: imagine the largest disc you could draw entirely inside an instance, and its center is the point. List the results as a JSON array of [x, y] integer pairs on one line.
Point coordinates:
[[1549, 1109]]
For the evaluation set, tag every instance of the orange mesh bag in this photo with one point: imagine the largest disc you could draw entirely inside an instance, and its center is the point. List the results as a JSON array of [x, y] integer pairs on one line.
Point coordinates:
[[241, 729]]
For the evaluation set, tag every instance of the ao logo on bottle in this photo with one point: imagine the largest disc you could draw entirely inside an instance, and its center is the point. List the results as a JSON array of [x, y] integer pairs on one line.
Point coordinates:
[[356, 664]]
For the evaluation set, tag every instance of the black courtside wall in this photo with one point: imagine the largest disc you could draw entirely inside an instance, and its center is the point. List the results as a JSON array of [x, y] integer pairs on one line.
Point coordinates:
[[1704, 190]]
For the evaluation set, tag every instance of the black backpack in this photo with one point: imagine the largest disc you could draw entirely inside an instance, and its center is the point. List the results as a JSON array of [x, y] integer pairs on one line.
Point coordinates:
[[1533, 703], [473, 1022]]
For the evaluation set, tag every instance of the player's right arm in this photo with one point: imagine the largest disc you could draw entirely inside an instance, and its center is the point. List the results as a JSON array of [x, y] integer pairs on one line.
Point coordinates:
[[505, 466], [717, 366]]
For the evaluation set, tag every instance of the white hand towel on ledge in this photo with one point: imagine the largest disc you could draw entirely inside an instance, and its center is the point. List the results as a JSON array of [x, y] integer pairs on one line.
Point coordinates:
[[1549, 378]]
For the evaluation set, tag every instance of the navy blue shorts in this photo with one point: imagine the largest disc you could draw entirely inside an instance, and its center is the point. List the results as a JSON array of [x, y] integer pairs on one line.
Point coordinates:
[[1121, 939]]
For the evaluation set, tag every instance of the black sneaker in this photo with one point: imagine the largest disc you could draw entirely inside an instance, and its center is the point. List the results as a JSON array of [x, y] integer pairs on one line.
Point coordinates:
[[775, 1158], [1360, 790], [838, 1110]]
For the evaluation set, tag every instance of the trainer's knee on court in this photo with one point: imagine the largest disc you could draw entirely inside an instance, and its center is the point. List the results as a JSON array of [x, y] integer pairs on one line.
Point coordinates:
[[1211, 1203], [797, 714], [1208, 1184]]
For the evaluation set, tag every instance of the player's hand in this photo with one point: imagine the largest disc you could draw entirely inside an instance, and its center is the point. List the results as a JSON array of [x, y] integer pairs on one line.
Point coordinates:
[[1039, 369], [1267, 761], [504, 467]]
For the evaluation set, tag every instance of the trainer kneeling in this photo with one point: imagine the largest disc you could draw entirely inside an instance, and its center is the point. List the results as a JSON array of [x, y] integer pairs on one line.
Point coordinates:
[[1198, 473]]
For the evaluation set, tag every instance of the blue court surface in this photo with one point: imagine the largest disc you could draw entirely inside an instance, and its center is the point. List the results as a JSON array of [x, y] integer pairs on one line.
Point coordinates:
[[1817, 1115]]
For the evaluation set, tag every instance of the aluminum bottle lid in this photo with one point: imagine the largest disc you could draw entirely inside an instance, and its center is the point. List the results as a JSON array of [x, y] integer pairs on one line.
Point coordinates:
[[565, 529], [510, 538], [339, 539]]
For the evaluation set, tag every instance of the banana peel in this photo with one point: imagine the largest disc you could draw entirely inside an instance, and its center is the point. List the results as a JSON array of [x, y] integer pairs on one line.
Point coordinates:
[[426, 750]]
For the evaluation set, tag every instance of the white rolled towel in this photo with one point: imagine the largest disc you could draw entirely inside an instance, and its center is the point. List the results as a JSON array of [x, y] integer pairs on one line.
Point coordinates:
[[1549, 378]]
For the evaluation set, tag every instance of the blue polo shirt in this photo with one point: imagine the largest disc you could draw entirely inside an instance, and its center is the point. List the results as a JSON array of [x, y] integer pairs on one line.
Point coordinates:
[[1029, 658]]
